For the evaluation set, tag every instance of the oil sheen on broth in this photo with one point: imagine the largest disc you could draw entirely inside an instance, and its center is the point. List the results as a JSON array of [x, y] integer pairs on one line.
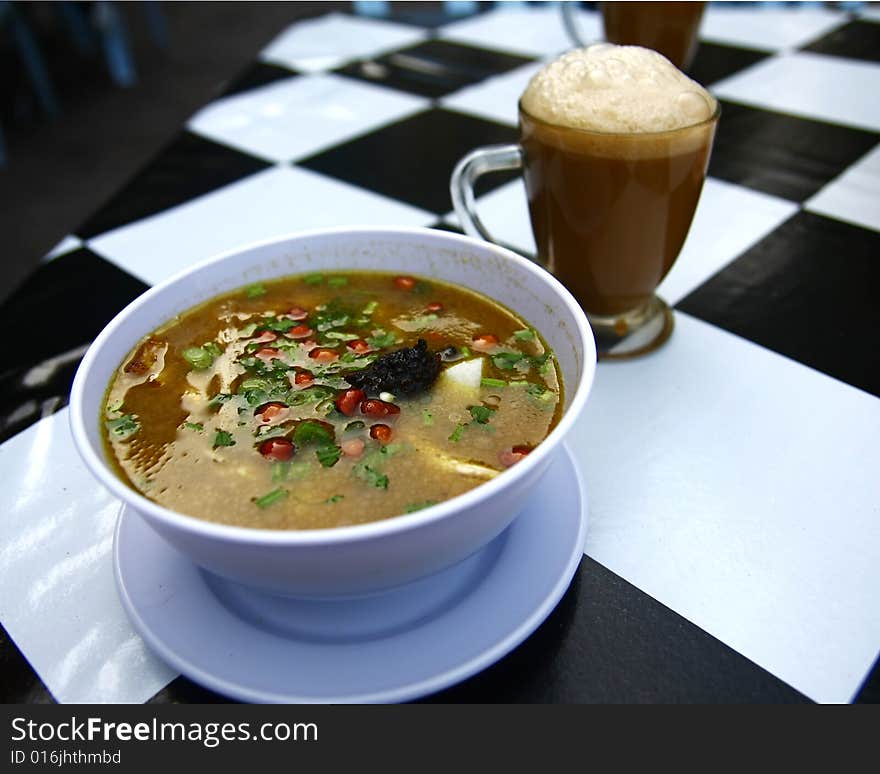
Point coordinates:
[[325, 400]]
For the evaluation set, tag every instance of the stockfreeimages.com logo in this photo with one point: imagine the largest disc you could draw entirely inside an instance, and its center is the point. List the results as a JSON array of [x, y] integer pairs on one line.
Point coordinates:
[[208, 734]]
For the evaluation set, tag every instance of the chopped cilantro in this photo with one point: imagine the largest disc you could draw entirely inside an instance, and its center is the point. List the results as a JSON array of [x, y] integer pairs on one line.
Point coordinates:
[[487, 381], [380, 339], [337, 282], [123, 427], [198, 357], [541, 362], [212, 349], [507, 360], [270, 498], [539, 392], [312, 431], [423, 321], [313, 279], [372, 476], [333, 500], [220, 397], [413, 507], [310, 395], [223, 438], [289, 471], [458, 432], [248, 330], [278, 324], [328, 455], [481, 414], [255, 291]]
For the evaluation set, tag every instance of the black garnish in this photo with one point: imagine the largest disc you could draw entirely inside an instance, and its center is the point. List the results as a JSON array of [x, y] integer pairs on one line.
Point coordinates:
[[402, 372]]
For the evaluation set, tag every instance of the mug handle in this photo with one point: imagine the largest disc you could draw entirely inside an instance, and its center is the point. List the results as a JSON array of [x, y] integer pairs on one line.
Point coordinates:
[[492, 158]]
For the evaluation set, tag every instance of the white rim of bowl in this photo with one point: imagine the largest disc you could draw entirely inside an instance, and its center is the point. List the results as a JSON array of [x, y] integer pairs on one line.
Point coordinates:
[[100, 467]]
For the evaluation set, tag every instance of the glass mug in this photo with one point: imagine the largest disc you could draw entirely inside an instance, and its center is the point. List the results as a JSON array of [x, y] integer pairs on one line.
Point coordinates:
[[668, 27], [609, 212]]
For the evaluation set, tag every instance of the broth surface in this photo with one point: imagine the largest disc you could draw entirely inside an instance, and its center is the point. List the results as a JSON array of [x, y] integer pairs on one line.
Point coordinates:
[[239, 411]]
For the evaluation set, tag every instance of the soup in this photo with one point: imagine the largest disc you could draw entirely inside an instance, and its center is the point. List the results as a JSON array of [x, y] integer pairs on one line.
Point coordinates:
[[325, 400]]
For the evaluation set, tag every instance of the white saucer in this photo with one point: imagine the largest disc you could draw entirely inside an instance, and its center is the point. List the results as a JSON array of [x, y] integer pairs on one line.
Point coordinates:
[[397, 646]]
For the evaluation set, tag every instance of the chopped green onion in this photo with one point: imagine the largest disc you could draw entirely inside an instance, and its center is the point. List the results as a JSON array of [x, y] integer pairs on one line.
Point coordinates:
[[255, 291], [270, 498], [197, 426], [314, 279], [212, 349], [335, 499], [488, 381], [198, 357], [465, 351], [481, 414], [248, 330], [458, 432], [356, 425], [370, 308], [427, 418], [328, 455], [341, 336], [525, 335], [337, 282], [124, 427], [223, 438]]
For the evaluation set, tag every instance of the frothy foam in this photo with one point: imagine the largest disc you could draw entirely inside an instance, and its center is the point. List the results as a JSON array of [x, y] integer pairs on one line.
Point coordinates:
[[616, 89]]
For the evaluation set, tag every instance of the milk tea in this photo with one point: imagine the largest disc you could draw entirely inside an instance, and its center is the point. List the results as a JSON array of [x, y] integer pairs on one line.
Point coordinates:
[[616, 143]]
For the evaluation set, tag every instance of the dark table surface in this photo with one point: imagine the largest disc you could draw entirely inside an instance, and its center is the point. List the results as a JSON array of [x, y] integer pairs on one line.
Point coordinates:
[[733, 552]]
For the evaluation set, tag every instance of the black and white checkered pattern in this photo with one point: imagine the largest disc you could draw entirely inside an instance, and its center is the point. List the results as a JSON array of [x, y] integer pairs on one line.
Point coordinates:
[[734, 547]]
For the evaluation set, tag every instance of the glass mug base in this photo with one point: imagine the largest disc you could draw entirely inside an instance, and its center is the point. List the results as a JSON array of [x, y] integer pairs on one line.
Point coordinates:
[[634, 333]]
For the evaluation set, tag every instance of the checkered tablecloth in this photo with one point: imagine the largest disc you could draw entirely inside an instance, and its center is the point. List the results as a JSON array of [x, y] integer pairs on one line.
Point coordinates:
[[733, 476]]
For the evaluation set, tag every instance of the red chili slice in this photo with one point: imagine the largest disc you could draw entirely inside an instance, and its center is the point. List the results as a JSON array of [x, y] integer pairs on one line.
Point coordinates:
[[522, 449], [323, 355], [353, 447], [485, 342], [271, 411], [508, 457], [404, 283], [299, 332], [296, 313], [265, 337], [349, 401], [375, 408], [303, 378], [359, 346], [434, 306], [382, 433], [278, 449], [268, 354]]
